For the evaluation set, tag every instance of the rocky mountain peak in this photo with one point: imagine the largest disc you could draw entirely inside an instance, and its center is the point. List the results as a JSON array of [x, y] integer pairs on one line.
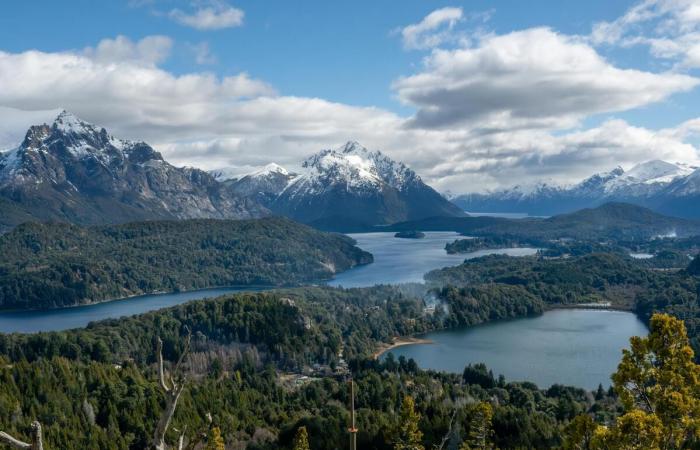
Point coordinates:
[[70, 123], [269, 169], [357, 167], [74, 170]]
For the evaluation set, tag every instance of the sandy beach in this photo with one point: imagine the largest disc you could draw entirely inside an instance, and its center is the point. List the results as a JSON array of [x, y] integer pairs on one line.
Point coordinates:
[[398, 342]]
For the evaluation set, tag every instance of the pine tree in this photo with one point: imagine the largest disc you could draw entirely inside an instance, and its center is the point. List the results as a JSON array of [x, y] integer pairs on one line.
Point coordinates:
[[214, 440], [479, 428], [600, 393], [409, 435], [301, 439]]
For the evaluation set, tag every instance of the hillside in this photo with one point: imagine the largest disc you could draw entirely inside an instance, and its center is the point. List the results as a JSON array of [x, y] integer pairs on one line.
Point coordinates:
[[76, 172], [609, 221], [56, 265]]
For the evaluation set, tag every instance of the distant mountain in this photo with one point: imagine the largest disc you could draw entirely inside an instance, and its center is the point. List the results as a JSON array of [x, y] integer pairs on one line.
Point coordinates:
[[617, 221], [662, 186], [347, 188], [263, 185], [74, 171]]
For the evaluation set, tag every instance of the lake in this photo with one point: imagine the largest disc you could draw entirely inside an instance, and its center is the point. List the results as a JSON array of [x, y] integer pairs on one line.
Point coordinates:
[[400, 260], [80, 316], [395, 261], [577, 347]]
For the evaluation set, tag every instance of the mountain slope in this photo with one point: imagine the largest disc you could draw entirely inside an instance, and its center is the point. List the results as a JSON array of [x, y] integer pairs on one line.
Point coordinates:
[[263, 185], [348, 187], [609, 221], [659, 185], [74, 171], [42, 267]]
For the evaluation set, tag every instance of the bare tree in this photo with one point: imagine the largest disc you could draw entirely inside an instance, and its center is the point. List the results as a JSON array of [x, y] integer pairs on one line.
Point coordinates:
[[173, 383], [450, 430], [36, 443]]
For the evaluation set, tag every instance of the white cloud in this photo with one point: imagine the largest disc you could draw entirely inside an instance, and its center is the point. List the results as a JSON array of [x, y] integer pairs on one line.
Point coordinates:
[[433, 30], [150, 50], [203, 120], [670, 28], [214, 16], [534, 78]]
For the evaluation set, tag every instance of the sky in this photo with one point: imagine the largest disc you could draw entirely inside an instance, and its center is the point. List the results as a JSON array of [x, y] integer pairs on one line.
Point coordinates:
[[473, 95]]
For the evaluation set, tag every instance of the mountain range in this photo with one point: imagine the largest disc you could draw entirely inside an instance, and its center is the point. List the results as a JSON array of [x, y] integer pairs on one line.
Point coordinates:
[[74, 171], [346, 188], [667, 188]]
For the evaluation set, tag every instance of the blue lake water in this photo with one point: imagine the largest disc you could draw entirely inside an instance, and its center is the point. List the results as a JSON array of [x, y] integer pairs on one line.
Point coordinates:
[[80, 316], [398, 260], [576, 347]]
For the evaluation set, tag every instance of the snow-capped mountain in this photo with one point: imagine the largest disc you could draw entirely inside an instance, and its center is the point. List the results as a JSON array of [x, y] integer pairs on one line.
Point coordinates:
[[353, 186], [263, 185], [660, 185], [345, 188], [75, 171]]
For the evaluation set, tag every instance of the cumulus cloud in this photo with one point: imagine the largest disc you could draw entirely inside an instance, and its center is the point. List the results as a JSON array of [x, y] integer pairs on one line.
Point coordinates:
[[203, 120], [433, 30], [214, 16], [670, 28], [534, 78], [150, 50]]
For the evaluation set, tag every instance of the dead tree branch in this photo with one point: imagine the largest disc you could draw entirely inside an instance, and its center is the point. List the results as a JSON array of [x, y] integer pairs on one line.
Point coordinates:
[[173, 383], [36, 443]]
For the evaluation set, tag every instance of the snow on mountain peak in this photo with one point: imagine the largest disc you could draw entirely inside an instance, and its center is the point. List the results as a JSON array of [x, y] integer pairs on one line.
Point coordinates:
[[356, 166], [70, 123], [656, 171], [269, 169], [352, 147]]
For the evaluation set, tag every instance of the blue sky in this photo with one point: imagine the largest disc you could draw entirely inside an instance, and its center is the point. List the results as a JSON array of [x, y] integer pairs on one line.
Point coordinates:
[[341, 51], [310, 74]]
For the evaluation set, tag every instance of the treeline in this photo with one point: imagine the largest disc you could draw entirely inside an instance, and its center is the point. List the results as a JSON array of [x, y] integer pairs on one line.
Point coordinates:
[[56, 265], [481, 243], [592, 278], [291, 328]]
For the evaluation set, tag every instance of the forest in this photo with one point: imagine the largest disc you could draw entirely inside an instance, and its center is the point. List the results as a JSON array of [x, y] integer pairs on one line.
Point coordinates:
[[263, 366], [57, 265], [97, 387]]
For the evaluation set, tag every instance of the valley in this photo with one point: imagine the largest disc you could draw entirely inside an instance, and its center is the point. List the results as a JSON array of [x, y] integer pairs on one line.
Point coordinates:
[[279, 303], [308, 225]]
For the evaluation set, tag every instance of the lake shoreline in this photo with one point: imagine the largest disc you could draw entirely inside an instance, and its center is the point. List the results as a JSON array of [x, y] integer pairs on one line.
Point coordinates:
[[573, 346], [243, 288], [398, 342], [591, 306]]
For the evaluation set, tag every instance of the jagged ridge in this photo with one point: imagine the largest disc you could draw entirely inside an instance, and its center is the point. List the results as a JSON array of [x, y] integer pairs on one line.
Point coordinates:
[[345, 188], [74, 171]]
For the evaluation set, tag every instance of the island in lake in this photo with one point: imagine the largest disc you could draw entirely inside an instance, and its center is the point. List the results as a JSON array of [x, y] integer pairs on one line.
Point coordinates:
[[411, 234], [481, 243]]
